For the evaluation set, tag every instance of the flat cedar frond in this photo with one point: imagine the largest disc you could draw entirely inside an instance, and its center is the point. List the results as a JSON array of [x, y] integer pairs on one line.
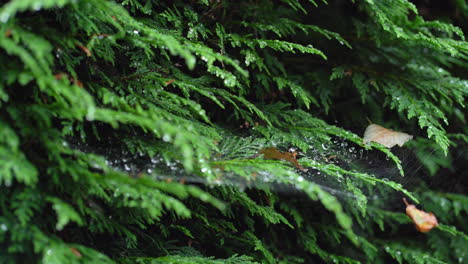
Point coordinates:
[[228, 131]]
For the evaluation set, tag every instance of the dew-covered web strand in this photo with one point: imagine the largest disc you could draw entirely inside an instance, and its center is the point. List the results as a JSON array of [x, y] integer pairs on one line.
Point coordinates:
[[374, 163], [338, 152], [160, 169]]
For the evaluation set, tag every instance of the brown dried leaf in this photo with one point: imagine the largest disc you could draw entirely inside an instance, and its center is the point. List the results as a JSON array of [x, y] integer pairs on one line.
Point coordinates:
[[100, 36], [84, 49], [60, 75], [8, 33], [76, 252], [424, 221], [274, 153], [385, 136], [169, 82]]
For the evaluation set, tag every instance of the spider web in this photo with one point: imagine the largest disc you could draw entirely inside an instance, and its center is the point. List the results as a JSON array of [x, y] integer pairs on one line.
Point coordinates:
[[338, 152]]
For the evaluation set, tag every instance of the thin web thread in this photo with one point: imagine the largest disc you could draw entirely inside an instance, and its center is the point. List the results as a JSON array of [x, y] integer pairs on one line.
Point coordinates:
[[338, 152]]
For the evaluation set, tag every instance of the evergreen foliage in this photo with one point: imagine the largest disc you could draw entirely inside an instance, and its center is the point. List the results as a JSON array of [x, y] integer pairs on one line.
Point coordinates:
[[131, 131]]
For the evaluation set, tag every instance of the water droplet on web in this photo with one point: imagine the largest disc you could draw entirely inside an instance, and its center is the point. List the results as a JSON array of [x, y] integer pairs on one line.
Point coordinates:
[[4, 227], [4, 17], [95, 166], [49, 252], [166, 138], [241, 187], [231, 81], [190, 33], [262, 44], [149, 171]]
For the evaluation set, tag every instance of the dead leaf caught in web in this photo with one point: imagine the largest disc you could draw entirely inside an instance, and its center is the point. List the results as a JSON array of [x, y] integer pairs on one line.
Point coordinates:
[[424, 221], [274, 153], [76, 252], [85, 50], [385, 136]]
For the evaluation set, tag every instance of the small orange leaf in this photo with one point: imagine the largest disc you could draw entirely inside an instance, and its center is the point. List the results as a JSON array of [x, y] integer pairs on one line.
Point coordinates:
[[348, 72], [84, 49], [274, 153], [100, 36], [76, 252], [424, 221], [8, 33], [182, 181], [78, 83], [169, 82], [330, 158], [169, 180], [60, 75], [254, 175]]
